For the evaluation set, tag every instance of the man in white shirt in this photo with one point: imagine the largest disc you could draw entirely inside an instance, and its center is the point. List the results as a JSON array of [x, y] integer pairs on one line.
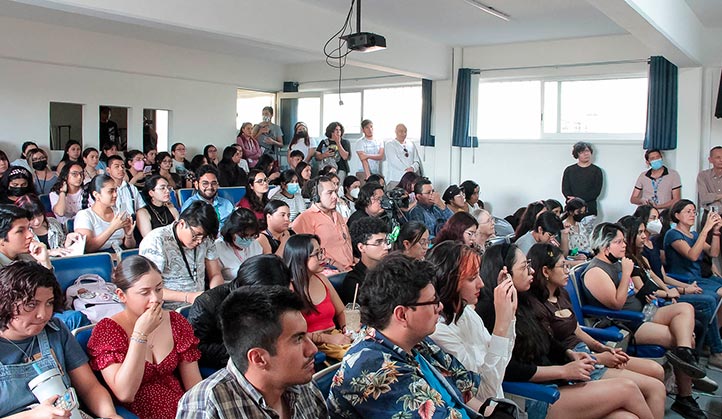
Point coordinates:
[[401, 156], [129, 199], [369, 151]]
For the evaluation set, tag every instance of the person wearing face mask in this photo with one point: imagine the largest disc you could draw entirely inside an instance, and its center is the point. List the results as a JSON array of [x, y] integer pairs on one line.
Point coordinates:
[[659, 186], [351, 190], [237, 242], [44, 177], [16, 182], [289, 191], [135, 162], [301, 142], [574, 213], [271, 138]]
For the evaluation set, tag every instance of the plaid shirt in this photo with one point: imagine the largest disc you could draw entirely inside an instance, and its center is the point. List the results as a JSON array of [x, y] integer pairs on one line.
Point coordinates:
[[227, 394]]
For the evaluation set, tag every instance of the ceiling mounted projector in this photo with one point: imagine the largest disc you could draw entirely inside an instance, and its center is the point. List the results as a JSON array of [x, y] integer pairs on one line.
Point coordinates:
[[365, 41]]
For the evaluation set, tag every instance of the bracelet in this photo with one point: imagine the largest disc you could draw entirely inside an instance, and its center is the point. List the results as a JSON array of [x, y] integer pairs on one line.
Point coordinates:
[[684, 290], [143, 335], [138, 340]]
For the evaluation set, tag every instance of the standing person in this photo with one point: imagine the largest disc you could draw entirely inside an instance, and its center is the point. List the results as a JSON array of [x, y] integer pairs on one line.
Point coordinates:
[[91, 157], [334, 150], [271, 362], [401, 156], [369, 237], [148, 356], [108, 131], [659, 186], [430, 210], [584, 179], [237, 242], [369, 151], [301, 142], [23, 160], [206, 185], [158, 210], [45, 178], [129, 199], [210, 152], [274, 137], [229, 172], [251, 149], [71, 154], [16, 182]]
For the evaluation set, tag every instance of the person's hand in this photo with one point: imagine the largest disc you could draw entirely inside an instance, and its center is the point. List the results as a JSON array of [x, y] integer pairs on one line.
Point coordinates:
[[504, 300], [59, 252], [39, 251], [337, 339], [578, 356], [269, 140], [151, 318], [128, 226], [362, 155], [118, 220], [627, 266], [273, 176], [579, 370], [46, 410], [137, 177], [64, 187], [692, 288], [616, 358], [713, 222], [71, 238]]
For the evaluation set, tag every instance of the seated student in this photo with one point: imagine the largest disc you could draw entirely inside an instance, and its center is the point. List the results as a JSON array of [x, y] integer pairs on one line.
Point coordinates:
[[347, 202], [369, 238], [71, 154], [655, 242], [271, 362], [455, 199], [237, 242], [608, 283], [210, 152], [552, 205], [538, 358], [197, 161], [268, 165], [180, 164], [273, 238], [471, 194], [553, 308], [135, 165], [295, 157], [256, 196], [203, 314], [128, 197], [486, 229], [66, 197], [430, 209], [33, 342], [17, 241], [23, 160], [16, 182], [229, 171], [243, 163], [322, 308], [546, 227], [104, 228], [163, 166], [460, 331], [148, 356], [289, 191], [377, 178], [46, 230], [461, 227], [158, 210], [303, 171], [206, 185], [44, 177], [412, 240], [396, 361], [527, 218], [91, 159], [579, 232], [368, 203], [185, 254]]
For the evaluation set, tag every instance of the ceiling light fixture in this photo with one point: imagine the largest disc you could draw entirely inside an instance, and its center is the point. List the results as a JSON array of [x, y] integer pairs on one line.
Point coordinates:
[[488, 9]]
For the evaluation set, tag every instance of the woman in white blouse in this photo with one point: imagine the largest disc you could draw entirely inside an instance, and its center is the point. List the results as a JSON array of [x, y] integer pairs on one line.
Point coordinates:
[[67, 194], [238, 241]]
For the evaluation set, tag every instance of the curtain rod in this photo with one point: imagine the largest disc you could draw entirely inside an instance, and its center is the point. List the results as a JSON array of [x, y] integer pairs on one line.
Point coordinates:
[[640, 60], [354, 78]]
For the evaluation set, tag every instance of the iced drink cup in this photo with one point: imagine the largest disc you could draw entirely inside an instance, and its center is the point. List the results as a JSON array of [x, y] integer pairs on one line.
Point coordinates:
[[353, 317]]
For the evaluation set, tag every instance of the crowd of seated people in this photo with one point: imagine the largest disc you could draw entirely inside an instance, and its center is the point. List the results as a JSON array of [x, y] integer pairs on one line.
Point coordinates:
[[436, 291]]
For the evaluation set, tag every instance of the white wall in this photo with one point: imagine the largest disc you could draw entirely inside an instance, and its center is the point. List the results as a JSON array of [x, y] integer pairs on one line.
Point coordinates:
[[40, 63]]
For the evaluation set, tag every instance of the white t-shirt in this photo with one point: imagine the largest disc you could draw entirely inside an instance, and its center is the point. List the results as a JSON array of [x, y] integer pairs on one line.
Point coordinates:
[[370, 147], [73, 204], [129, 199], [87, 219], [231, 257]]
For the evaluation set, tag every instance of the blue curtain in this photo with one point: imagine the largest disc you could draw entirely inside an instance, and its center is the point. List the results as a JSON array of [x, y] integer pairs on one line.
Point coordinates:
[[661, 105], [462, 108], [426, 105]]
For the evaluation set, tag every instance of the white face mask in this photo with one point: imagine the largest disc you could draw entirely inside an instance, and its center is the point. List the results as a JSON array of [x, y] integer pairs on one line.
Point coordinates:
[[655, 226], [354, 193]]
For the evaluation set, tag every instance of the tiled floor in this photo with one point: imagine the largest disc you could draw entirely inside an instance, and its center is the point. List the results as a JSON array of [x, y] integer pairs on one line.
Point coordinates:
[[710, 403]]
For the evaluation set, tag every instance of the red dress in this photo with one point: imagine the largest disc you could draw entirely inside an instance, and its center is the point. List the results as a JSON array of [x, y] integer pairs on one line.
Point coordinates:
[[161, 389]]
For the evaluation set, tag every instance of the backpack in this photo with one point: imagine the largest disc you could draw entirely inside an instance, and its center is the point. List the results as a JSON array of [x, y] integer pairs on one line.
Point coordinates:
[[94, 297]]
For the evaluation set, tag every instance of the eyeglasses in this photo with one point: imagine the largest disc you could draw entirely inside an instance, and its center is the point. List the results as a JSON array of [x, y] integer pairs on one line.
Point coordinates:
[[565, 267], [164, 188], [379, 242], [75, 173], [261, 181], [435, 302], [527, 266], [206, 184], [167, 161], [423, 242], [319, 254], [195, 236]]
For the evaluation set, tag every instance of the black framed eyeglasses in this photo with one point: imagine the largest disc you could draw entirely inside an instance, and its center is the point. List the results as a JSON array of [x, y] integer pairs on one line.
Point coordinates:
[[435, 302]]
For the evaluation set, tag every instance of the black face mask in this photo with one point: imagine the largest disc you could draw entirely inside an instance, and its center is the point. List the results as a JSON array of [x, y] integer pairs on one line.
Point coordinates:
[[578, 217], [40, 165], [612, 258], [17, 190]]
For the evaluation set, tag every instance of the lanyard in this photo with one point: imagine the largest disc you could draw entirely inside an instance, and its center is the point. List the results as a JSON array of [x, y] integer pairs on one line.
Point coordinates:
[[192, 273]]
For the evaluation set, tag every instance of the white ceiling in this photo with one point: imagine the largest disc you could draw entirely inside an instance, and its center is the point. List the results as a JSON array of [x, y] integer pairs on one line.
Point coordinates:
[[709, 12], [456, 23]]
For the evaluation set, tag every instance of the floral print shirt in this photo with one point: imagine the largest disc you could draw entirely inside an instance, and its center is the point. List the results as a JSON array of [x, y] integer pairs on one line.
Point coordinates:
[[378, 379]]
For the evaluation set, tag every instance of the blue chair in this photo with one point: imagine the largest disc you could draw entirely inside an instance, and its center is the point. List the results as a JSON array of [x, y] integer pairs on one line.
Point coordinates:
[[611, 333], [232, 193], [70, 225], [533, 391], [68, 269], [324, 378], [82, 335], [174, 200], [184, 310], [127, 253], [184, 194]]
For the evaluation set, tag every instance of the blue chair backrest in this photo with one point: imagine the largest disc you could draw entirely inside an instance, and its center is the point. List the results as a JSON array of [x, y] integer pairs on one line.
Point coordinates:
[[184, 194], [184, 310], [573, 286], [127, 253], [232, 193], [174, 200], [70, 225], [324, 378], [45, 200], [68, 269]]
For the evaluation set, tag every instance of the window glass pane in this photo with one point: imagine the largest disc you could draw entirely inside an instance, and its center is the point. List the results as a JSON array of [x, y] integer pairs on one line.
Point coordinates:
[[551, 100], [249, 105], [509, 110], [392, 106], [309, 111], [348, 114], [604, 106]]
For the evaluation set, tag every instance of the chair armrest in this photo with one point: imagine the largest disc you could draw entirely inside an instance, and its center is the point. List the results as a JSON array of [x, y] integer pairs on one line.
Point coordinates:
[[545, 393], [603, 335], [593, 311]]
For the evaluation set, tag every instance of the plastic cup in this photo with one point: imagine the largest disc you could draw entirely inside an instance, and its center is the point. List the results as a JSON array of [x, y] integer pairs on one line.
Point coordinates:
[[49, 384], [353, 317]]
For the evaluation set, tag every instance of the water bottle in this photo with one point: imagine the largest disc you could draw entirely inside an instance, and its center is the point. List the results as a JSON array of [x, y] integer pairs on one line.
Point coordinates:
[[650, 309]]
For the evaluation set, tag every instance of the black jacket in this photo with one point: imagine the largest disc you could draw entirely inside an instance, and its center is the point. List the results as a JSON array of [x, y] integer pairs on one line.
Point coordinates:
[[203, 316]]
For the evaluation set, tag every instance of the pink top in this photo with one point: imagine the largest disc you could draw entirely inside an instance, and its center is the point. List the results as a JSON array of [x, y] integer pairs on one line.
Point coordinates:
[[323, 319], [252, 151], [161, 389]]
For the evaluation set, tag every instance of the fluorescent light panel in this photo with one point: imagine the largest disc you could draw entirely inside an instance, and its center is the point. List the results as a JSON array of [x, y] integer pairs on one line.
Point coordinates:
[[488, 9]]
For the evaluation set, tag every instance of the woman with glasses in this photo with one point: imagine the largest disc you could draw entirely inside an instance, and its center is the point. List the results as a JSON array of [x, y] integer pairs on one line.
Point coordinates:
[[256, 196], [45, 178], [158, 210], [460, 331], [539, 358], [455, 199], [237, 241], [323, 309], [164, 162], [66, 197], [210, 152], [273, 238], [412, 240], [461, 227], [553, 308]]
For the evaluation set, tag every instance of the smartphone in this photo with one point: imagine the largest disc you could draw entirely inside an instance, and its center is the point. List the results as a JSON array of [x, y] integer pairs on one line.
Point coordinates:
[[147, 169], [67, 400]]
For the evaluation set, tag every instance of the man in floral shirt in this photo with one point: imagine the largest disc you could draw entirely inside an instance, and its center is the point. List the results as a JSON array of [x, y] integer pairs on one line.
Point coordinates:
[[396, 371]]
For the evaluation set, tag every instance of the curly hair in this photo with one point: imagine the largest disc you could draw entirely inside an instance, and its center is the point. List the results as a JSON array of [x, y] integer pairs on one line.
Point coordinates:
[[18, 283]]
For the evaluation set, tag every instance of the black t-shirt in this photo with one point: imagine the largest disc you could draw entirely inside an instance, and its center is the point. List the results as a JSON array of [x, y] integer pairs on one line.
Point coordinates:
[[108, 131], [585, 183]]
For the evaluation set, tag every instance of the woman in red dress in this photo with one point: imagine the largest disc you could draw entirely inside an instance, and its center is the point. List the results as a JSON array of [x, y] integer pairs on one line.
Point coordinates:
[[148, 356]]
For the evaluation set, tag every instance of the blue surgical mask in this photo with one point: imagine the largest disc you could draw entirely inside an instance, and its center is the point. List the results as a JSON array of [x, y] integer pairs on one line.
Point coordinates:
[[672, 225], [242, 242], [656, 164], [292, 188]]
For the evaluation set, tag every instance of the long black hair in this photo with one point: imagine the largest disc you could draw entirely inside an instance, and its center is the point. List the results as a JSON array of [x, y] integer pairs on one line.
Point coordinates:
[[66, 157], [295, 255]]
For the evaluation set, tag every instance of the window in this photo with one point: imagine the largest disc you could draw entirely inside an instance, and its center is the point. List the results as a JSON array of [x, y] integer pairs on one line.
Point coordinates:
[[249, 105], [534, 109], [309, 111], [348, 113], [392, 106]]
